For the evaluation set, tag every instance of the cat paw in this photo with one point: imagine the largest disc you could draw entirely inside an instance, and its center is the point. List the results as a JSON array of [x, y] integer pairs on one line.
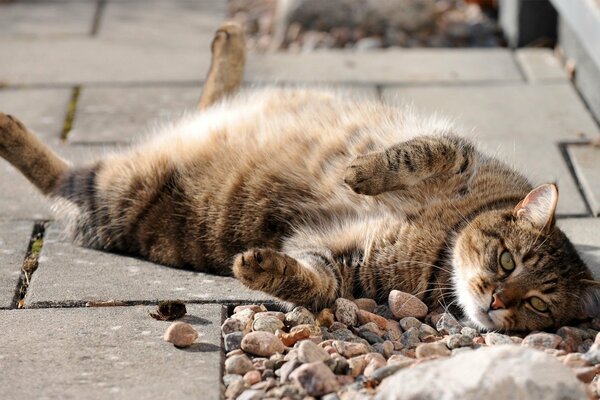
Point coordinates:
[[262, 269], [364, 175], [229, 44]]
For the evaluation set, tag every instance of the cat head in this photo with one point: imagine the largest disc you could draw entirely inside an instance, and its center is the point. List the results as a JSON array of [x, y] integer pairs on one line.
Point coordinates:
[[515, 270]]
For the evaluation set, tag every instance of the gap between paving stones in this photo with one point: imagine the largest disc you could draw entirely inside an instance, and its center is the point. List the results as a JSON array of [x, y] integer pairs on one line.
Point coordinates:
[[563, 146], [98, 15], [30, 263], [70, 115]]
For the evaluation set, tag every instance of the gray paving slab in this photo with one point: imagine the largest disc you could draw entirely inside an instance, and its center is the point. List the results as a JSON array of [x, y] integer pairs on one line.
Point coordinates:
[[14, 240], [119, 114], [179, 23], [540, 65], [69, 274], [521, 124], [586, 161], [46, 19], [107, 353], [386, 66], [585, 235]]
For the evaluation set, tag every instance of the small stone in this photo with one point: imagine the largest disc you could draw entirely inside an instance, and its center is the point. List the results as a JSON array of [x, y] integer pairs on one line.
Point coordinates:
[[231, 325], [393, 331], [371, 327], [366, 317], [233, 341], [234, 353], [268, 374], [516, 340], [277, 314], [252, 377], [235, 389], [575, 360], [495, 339], [343, 334], [262, 344], [287, 368], [388, 349], [542, 340], [469, 332], [375, 361], [312, 329], [338, 364], [345, 312], [399, 359], [410, 338], [571, 338], [289, 339], [586, 374], [448, 325], [228, 379], [251, 394], [585, 346], [426, 330], [410, 322], [181, 334], [458, 340], [238, 365], [309, 352], [357, 365], [330, 396], [383, 372], [383, 311], [592, 356], [315, 378], [254, 307], [299, 316], [245, 316], [349, 349], [371, 337], [366, 304], [325, 318], [438, 349], [406, 305]]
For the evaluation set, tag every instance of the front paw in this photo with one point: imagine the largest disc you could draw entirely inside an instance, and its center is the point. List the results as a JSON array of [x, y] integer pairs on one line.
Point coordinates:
[[262, 269], [364, 175]]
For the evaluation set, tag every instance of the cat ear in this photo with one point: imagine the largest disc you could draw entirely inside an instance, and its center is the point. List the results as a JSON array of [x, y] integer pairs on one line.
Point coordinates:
[[539, 206], [590, 299]]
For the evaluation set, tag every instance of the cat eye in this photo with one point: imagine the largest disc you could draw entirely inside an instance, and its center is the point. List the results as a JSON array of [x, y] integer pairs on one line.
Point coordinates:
[[538, 304], [506, 262]]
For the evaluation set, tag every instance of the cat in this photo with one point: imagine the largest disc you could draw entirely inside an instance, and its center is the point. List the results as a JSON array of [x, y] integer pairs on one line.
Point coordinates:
[[310, 196]]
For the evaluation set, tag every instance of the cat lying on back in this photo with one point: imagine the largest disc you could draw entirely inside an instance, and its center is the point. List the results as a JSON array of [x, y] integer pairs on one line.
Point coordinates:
[[309, 197]]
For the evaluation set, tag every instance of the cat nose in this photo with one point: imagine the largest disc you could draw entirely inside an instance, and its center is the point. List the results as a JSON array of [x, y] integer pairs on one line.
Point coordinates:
[[496, 303]]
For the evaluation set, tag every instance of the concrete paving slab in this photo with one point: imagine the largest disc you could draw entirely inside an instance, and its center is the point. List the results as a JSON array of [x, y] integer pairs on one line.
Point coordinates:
[[68, 274], [46, 19], [386, 66], [113, 352], [586, 161], [120, 114], [521, 124], [585, 235], [540, 65], [179, 23], [14, 240]]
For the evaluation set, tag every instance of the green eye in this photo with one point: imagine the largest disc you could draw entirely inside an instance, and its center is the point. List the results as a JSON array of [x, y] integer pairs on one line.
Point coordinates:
[[506, 261], [538, 304]]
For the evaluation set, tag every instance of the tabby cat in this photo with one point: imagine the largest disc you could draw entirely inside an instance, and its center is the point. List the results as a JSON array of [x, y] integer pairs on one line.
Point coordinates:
[[310, 196]]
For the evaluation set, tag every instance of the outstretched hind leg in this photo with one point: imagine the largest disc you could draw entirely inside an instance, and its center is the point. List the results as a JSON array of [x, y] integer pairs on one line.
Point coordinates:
[[227, 64]]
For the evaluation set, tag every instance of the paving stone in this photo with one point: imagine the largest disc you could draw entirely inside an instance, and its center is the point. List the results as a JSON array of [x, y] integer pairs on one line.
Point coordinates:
[[70, 274], [14, 240], [586, 161], [47, 19], [179, 23], [387, 66], [521, 124], [540, 65], [583, 232], [112, 352], [122, 113]]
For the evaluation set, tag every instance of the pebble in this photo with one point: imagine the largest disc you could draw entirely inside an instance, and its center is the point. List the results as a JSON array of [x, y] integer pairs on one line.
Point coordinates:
[[357, 365], [251, 394], [252, 377], [406, 305], [235, 389], [575, 360], [383, 372], [447, 324], [374, 362], [586, 374], [458, 340], [262, 344], [277, 314], [239, 365], [254, 307], [181, 334], [287, 368], [233, 341], [494, 339], [410, 322], [571, 338], [366, 304], [366, 317], [349, 349], [384, 311], [315, 378], [542, 340], [410, 338], [437, 349], [299, 316], [309, 352], [245, 316], [371, 327], [393, 331], [345, 312], [426, 330], [325, 318], [267, 323], [470, 332], [228, 379], [371, 338], [231, 325], [289, 339]]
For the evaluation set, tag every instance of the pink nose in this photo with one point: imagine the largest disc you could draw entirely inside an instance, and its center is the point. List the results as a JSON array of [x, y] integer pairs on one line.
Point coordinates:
[[496, 303]]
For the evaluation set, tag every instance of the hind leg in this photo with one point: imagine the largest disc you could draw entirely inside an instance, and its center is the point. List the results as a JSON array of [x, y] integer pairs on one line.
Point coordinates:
[[227, 64]]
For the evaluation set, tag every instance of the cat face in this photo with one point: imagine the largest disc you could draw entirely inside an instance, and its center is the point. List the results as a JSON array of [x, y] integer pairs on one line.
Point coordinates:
[[517, 271]]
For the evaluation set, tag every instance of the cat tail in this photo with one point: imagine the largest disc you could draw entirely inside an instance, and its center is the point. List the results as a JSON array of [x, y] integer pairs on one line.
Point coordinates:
[[36, 161]]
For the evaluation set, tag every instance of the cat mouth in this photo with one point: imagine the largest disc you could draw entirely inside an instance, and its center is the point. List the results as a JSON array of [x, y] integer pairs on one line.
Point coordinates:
[[485, 319]]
